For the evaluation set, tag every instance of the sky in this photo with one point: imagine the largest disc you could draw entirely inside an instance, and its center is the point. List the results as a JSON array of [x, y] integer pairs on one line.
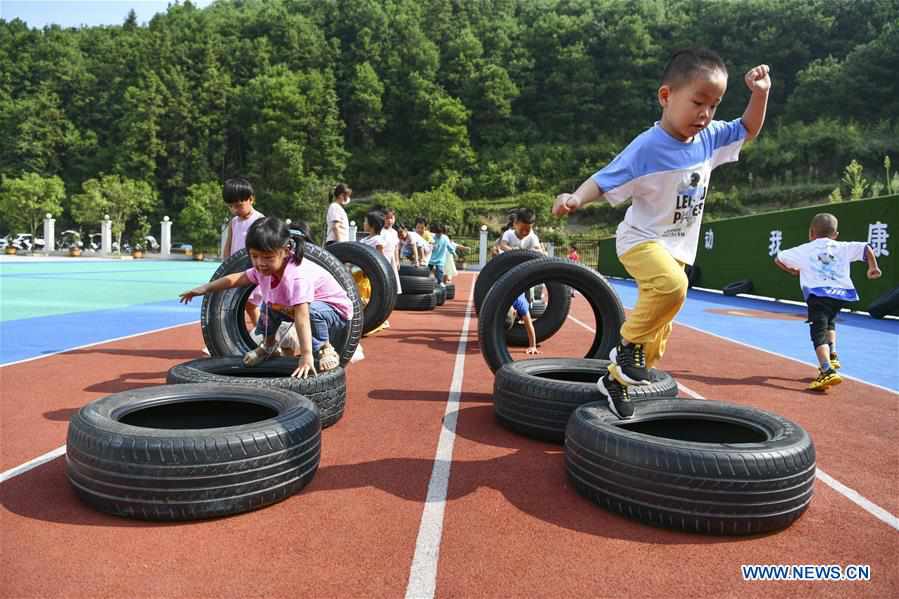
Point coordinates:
[[74, 13]]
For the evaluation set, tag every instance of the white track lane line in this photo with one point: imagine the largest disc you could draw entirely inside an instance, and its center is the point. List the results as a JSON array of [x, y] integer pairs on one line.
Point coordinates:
[[59, 451], [423, 573], [174, 326], [22, 469], [850, 494]]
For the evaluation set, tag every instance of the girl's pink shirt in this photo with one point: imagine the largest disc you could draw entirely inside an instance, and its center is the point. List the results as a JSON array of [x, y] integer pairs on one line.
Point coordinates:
[[303, 284], [239, 227]]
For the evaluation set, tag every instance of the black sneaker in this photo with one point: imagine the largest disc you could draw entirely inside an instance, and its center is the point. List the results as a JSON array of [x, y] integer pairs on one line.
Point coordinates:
[[616, 394], [629, 364]]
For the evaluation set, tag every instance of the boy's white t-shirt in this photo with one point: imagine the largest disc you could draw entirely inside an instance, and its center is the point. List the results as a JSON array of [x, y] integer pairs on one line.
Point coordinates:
[[413, 237], [823, 266], [667, 180], [336, 213], [376, 240], [530, 241], [383, 239]]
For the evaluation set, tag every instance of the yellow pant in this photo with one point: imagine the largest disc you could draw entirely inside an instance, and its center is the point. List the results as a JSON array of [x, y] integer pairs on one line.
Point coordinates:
[[662, 286]]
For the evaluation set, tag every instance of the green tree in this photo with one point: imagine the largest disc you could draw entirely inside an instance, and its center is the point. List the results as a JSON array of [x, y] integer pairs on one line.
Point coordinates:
[[440, 205], [119, 197], [201, 219], [25, 200], [855, 180], [364, 110]]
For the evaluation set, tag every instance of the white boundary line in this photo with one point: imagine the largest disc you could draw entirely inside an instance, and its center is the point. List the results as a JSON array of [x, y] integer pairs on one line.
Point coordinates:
[[761, 349], [423, 573], [62, 351], [22, 469], [850, 494]]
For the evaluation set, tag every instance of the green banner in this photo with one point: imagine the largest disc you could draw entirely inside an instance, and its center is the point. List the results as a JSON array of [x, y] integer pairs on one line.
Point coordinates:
[[743, 248]]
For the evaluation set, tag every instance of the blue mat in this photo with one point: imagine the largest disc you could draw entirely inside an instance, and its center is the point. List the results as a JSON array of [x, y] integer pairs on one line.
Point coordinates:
[[868, 348], [41, 335]]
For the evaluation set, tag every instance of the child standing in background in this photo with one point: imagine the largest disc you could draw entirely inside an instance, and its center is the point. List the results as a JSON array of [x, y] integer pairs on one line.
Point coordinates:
[[823, 268], [239, 195], [438, 254]]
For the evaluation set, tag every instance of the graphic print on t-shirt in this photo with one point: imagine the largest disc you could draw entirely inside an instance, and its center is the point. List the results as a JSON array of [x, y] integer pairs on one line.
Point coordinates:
[[688, 205], [826, 265]]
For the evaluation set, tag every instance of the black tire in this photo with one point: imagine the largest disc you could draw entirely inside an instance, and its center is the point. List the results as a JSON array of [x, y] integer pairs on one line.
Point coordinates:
[[415, 285], [497, 267], [694, 274], [607, 309], [407, 270], [222, 315], [744, 286], [120, 463], [692, 465], [888, 303], [439, 296], [537, 397], [327, 390], [552, 313], [416, 302], [380, 274], [450, 291]]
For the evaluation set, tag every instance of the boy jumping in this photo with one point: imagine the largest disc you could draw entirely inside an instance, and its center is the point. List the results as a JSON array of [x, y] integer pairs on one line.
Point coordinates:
[[665, 173]]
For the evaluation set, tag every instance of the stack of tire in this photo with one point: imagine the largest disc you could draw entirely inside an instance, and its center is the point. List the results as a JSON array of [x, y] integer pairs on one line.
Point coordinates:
[[220, 438], [420, 290], [696, 466]]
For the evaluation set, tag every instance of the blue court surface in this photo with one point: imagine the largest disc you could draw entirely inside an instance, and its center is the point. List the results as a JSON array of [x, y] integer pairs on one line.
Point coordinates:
[[868, 348], [52, 306]]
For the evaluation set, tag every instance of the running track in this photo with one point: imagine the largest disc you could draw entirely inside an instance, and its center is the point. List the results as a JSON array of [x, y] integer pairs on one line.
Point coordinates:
[[510, 526]]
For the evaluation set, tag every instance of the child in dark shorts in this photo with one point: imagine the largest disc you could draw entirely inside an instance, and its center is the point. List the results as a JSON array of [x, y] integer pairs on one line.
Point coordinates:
[[822, 265]]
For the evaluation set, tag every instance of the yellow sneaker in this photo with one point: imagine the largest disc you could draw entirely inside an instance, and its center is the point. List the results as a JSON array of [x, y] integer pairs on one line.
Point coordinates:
[[835, 361], [825, 379], [377, 329]]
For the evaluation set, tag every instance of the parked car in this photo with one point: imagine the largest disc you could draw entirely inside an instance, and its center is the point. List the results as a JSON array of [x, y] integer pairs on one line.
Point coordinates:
[[26, 242], [182, 248], [95, 242], [67, 239]]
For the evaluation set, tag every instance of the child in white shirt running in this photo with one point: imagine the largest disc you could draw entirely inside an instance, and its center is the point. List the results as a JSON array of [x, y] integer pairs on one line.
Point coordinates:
[[822, 265]]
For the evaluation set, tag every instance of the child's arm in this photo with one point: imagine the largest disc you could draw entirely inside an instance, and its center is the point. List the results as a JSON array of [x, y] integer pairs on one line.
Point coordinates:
[[239, 279], [785, 268], [871, 259], [304, 334], [759, 83], [567, 203], [532, 334]]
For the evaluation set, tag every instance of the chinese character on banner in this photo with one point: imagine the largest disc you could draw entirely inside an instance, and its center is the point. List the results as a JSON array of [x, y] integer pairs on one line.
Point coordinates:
[[709, 239], [774, 242], [877, 238]]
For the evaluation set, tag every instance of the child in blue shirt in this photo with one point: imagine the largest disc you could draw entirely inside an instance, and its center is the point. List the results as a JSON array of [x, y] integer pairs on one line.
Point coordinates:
[[438, 254]]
